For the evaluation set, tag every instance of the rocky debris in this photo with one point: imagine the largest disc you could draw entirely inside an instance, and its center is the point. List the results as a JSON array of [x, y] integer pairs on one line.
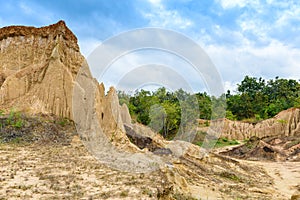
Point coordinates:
[[295, 197], [296, 194], [145, 142], [217, 177], [139, 140], [38, 67], [280, 148], [40, 128], [161, 151]]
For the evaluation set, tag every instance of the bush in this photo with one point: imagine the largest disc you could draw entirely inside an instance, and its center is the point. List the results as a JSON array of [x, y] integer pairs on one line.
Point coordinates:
[[14, 119]]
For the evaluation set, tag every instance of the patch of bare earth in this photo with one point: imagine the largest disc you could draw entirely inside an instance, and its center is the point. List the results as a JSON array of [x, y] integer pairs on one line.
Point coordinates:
[[36, 171], [285, 175], [67, 172]]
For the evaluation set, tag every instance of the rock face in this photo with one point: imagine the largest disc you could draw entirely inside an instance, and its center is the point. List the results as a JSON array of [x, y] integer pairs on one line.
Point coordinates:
[[285, 123], [38, 67], [126, 118], [39, 71]]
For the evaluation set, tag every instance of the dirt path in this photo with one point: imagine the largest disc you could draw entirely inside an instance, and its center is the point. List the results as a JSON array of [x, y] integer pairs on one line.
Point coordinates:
[[286, 176]]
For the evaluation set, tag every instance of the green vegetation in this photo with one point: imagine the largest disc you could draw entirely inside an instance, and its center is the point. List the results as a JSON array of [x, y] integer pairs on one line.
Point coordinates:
[[170, 113], [161, 110], [282, 121], [257, 99], [230, 176], [14, 119], [180, 196], [218, 143], [124, 193], [63, 121], [292, 143], [19, 128]]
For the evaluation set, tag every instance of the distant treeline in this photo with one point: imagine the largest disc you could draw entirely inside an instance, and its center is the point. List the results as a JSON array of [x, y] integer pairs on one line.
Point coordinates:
[[261, 99], [255, 99]]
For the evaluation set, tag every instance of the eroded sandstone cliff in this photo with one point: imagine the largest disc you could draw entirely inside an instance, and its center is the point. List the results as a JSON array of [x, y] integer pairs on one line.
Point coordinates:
[[285, 123], [38, 67]]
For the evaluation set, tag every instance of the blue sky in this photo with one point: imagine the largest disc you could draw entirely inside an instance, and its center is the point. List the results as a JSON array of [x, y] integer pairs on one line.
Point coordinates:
[[242, 37]]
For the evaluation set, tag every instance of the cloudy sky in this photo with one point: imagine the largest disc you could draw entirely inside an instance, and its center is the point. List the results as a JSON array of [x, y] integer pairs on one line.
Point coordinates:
[[242, 37]]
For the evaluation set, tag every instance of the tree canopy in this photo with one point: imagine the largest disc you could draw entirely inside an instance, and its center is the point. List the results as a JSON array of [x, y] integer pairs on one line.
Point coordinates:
[[257, 98], [169, 112]]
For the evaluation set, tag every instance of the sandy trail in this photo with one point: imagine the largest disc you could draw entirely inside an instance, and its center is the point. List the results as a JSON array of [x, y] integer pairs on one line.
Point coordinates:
[[286, 176]]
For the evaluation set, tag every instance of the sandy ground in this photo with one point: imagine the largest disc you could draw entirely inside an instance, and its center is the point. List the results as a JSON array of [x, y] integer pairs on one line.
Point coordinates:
[[67, 172], [286, 176], [70, 172]]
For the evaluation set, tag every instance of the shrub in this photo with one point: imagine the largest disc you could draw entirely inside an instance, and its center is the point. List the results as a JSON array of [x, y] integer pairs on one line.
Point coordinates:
[[14, 119]]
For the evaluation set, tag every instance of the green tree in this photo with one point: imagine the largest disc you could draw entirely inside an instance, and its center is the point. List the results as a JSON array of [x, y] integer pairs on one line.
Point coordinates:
[[172, 120], [282, 94], [205, 105], [176, 112]]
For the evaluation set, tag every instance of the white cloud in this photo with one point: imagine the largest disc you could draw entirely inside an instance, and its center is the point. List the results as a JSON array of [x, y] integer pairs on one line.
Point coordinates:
[[266, 22], [1, 22], [118, 57], [256, 28], [155, 2], [227, 4], [168, 19], [232, 86], [155, 67], [292, 13], [161, 17], [275, 59], [32, 10], [88, 45], [26, 9]]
